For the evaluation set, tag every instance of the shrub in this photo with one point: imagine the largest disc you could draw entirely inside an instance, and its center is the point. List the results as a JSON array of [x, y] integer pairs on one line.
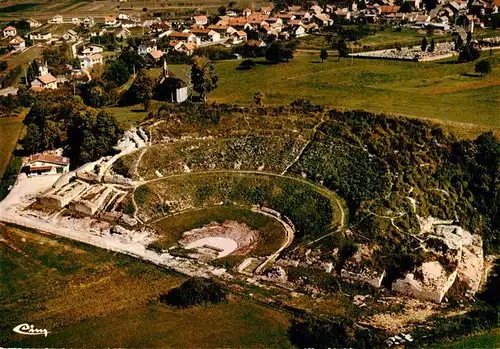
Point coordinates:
[[483, 67], [330, 332], [195, 291]]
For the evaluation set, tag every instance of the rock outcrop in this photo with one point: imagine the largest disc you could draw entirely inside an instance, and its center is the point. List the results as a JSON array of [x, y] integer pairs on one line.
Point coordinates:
[[458, 256]]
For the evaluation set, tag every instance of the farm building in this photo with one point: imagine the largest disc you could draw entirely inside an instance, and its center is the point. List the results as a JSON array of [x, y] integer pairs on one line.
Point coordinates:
[[40, 163]]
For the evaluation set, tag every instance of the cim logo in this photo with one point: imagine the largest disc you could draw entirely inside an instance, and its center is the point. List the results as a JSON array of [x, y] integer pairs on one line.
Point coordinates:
[[29, 330]]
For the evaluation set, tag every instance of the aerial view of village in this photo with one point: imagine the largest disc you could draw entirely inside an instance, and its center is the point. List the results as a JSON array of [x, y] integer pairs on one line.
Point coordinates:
[[238, 174]]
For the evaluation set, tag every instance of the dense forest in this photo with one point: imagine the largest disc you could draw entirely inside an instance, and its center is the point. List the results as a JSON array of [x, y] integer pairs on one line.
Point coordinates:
[[56, 121]]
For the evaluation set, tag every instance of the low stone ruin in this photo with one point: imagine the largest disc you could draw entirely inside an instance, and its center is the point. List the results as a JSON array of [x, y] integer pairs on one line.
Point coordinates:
[[430, 282], [62, 196], [356, 269], [415, 53]]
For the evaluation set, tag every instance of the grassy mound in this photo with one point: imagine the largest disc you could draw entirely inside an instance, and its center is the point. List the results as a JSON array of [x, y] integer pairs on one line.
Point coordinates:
[[269, 153], [312, 209]]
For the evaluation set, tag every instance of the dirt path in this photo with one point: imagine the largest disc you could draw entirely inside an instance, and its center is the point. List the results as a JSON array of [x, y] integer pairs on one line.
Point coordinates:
[[290, 233], [297, 158]]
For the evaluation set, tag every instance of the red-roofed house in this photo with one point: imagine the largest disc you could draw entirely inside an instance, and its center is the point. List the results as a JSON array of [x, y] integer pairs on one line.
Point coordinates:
[[389, 10], [18, 43], [200, 20], [9, 31], [204, 35], [110, 20], [189, 37], [47, 164], [247, 12], [155, 56], [266, 10], [45, 81], [238, 37]]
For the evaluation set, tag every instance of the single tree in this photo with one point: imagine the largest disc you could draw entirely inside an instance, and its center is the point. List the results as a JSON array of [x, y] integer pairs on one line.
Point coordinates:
[[483, 67], [221, 10], [278, 52], [33, 71], [257, 97], [431, 46], [342, 48], [468, 53], [323, 55], [469, 37], [423, 46], [430, 31], [140, 91], [203, 77]]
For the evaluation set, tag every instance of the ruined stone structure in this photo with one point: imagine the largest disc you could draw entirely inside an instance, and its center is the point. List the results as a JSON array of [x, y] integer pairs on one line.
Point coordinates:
[[432, 282]]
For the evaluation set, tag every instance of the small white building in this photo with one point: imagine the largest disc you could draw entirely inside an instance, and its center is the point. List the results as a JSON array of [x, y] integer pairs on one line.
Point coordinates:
[[200, 20], [41, 36], [18, 43], [70, 35], [9, 31], [123, 16], [43, 164], [110, 20], [145, 48], [92, 49], [88, 22], [57, 19], [33, 23], [47, 81], [90, 61]]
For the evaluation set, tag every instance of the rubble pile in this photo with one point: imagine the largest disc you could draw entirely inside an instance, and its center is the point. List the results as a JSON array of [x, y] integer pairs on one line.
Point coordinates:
[[414, 53]]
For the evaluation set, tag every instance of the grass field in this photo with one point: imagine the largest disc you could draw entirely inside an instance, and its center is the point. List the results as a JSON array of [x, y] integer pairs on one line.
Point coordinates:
[[11, 129], [467, 105], [271, 233], [45, 9], [487, 340], [88, 297], [434, 90]]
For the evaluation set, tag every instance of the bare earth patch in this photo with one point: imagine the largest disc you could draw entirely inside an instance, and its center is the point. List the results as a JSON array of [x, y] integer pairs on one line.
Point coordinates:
[[228, 233]]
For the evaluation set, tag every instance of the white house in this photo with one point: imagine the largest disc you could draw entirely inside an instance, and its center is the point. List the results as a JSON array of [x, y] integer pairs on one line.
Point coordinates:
[[88, 22], [205, 35], [33, 23], [322, 20], [47, 81], [144, 49], [200, 20], [316, 9], [70, 35], [90, 61], [41, 36], [56, 19], [110, 20], [238, 37], [47, 164], [122, 33], [18, 43], [92, 49], [123, 15], [188, 37], [9, 31], [298, 31]]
